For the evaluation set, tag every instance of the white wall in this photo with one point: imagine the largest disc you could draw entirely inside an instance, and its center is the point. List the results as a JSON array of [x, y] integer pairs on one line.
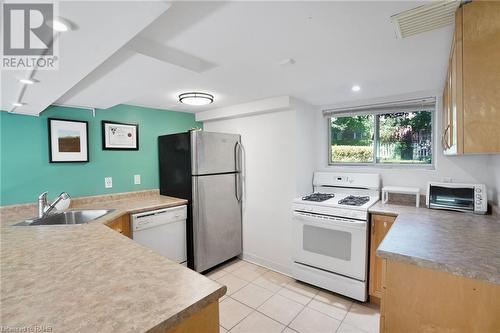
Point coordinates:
[[468, 169], [276, 172]]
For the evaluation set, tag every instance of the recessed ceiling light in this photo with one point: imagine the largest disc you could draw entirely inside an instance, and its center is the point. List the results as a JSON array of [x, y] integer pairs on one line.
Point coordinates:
[[196, 98], [356, 88], [18, 104], [27, 81], [287, 62]]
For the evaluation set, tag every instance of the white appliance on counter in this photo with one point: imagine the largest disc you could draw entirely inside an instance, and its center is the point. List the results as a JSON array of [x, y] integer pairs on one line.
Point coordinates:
[[330, 230], [461, 197], [163, 230]]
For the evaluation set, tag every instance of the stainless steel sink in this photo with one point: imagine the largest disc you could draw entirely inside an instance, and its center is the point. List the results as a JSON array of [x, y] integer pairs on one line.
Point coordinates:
[[67, 217]]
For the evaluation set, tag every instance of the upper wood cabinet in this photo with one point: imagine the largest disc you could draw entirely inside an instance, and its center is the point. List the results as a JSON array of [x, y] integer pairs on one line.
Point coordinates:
[[380, 225], [471, 98]]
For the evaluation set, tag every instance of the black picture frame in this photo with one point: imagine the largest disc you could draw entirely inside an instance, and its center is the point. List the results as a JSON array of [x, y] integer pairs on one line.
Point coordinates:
[[107, 146], [52, 157]]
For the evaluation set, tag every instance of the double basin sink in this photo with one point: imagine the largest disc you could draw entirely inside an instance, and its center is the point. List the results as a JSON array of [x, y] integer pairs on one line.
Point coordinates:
[[67, 217]]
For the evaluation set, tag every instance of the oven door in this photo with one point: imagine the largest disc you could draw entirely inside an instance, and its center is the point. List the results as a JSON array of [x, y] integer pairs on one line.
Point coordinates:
[[334, 244]]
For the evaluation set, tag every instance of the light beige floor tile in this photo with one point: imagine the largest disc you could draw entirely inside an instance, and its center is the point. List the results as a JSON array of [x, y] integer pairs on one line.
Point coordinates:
[[232, 312], [258, 323], [272, 281], [222, 298], [312, 321], [222, 330], [252, 295], [330, 304], [365, 317], [216, 273], [299, 292], [232, 265], [288, 330], [346, 328], [281, 309], [249, 272], [232, 283]]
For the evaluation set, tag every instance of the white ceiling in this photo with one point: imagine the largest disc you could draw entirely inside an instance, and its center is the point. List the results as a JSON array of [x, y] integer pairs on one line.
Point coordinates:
[[233, 50], [99, 31]]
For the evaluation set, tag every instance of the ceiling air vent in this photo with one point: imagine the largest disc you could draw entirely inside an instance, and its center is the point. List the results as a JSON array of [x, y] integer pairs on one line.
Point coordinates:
[[431, 16]]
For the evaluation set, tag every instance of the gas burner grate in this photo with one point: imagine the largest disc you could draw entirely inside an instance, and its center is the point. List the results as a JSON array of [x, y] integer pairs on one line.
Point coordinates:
[[318, 197], [353, 200]]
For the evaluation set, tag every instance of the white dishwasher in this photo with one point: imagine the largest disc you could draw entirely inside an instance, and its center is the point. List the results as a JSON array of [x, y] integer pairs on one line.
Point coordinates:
[[162, 230]]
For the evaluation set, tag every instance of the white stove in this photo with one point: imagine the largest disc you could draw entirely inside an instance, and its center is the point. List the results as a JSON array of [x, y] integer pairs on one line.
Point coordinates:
[[330, 228]]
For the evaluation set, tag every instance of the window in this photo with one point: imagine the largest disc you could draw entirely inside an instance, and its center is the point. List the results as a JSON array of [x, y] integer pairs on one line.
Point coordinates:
[[378, 137]]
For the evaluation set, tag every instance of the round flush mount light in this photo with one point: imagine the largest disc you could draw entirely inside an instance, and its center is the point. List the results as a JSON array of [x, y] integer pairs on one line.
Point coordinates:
[[196, 98], [356, 88]]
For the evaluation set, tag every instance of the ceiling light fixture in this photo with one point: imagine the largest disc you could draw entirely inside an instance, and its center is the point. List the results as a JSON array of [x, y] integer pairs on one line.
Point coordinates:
[[356, 88], [27, 81], [196, 98], [18, 104]]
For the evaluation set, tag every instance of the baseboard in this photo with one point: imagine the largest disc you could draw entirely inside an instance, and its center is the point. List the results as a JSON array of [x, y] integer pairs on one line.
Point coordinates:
[[267, 264]]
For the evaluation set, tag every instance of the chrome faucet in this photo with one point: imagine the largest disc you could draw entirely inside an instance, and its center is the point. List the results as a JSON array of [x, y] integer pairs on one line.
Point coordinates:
[[44, 208]]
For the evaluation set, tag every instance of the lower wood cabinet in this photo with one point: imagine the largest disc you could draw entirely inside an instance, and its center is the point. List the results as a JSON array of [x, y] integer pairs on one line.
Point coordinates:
[[380, 225], [417, 299], [121, 225]]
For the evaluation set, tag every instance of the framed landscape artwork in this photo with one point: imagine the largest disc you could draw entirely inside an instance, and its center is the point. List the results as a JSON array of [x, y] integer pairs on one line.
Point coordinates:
[[68, 140], [119, 136]]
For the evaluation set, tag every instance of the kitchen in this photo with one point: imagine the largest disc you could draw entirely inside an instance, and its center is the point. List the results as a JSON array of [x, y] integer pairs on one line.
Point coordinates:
[[332, 170]]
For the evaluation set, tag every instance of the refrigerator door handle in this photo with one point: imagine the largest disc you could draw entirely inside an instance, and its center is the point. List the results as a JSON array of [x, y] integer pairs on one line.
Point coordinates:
[[238, 152]]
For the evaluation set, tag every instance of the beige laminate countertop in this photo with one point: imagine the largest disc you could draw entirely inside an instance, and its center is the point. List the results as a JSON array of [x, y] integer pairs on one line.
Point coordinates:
[[90, 278], [458, 243]]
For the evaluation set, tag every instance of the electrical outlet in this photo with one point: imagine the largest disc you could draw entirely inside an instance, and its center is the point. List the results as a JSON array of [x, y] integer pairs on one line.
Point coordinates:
[[108, 182], [137, 179]]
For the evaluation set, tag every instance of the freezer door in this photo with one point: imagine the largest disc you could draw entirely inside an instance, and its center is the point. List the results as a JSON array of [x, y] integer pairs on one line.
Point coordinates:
[[216, 220], [213, 153]]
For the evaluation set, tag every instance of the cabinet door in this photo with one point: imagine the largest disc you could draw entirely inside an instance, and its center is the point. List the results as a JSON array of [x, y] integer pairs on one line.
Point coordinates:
[[380, 225], [481, 76]]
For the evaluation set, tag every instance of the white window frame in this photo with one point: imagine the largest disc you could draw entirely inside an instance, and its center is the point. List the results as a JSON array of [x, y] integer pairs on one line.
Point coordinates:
[[374, 163]]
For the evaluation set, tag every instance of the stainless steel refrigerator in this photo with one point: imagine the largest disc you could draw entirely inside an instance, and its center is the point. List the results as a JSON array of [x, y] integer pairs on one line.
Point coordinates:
[[205, 168]]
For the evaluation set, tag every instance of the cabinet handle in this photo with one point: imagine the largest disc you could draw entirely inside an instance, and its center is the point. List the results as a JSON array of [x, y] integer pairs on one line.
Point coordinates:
[[373, 228], [445, 138]]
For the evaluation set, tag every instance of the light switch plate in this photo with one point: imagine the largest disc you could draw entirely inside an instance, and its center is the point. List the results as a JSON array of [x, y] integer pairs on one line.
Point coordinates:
[[137, 179], [108, 182]]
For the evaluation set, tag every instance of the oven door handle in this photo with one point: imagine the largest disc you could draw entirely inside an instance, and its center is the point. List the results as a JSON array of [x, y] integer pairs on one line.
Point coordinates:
[[310, 219]]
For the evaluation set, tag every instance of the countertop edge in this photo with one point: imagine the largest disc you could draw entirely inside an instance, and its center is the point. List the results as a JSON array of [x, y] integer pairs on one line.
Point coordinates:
[[190, 310], [425, 262]]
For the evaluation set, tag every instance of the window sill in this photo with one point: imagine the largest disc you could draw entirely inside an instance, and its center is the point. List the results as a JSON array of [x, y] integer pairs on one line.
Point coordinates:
[[384, 166]]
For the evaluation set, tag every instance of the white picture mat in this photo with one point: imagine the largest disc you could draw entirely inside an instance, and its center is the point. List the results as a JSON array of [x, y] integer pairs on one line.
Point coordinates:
[[57, 156], [120, 138]]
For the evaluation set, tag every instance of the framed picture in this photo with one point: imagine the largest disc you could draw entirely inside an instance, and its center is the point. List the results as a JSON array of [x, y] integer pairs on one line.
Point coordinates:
[[119, 136], [68, 140]]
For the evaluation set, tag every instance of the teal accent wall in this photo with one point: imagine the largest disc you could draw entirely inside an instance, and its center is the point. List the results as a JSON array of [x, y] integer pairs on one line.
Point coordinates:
[[25, 170]]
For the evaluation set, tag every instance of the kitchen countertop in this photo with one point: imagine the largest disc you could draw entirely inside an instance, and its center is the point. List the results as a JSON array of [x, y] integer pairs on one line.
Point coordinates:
[[90, 278], [458, 243]]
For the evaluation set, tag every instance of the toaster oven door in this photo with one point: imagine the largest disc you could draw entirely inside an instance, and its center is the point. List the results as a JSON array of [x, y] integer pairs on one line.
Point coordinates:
[[449, 197]]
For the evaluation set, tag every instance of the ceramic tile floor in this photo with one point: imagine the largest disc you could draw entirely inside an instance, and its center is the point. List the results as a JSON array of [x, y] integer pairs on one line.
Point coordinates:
[[259, 300]]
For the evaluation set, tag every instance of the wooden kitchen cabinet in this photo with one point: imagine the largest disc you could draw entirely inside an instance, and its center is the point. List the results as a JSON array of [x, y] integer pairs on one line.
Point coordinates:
[[418, 299], [380, 225], [121, 225], [471, 103]]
